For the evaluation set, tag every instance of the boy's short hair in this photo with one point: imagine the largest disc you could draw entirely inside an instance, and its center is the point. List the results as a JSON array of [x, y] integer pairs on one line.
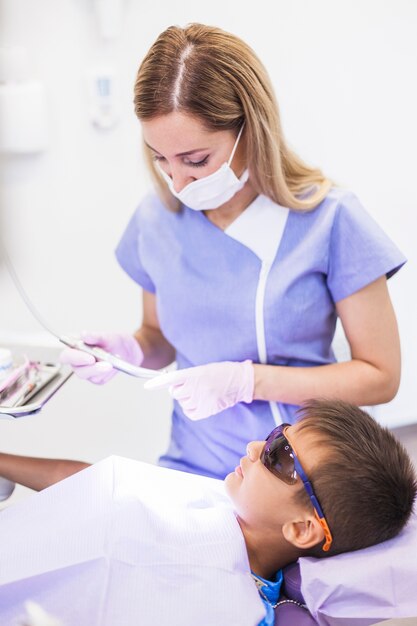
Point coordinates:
[[365, 480]]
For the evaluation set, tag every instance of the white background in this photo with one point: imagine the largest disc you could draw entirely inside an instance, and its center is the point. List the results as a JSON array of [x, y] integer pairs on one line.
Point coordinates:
[[345, 78]]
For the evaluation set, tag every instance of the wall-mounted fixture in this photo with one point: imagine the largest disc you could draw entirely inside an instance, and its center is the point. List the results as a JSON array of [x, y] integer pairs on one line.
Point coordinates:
[[103, 98]]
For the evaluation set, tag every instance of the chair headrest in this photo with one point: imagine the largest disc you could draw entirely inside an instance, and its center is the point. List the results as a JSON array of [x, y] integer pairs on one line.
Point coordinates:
[[292, 583]]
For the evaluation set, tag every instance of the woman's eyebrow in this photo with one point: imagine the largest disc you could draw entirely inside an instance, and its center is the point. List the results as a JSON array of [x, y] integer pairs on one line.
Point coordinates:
[[180, 154]]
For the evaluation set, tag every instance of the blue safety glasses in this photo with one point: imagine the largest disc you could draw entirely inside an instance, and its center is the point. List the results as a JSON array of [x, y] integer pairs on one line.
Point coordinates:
[[279, 457]]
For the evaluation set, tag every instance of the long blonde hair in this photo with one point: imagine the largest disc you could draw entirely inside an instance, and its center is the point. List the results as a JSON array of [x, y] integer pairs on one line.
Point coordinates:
[[216, 77]]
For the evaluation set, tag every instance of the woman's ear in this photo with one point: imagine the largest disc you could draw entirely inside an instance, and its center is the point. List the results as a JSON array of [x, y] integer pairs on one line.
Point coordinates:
[[303, 533]]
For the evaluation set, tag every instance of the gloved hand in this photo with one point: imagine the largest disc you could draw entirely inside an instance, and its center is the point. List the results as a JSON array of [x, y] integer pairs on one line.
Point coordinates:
[[99, 372], [208, 389]]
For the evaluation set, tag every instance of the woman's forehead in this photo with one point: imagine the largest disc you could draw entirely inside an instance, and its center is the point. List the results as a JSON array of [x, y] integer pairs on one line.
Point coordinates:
[[183, 131]]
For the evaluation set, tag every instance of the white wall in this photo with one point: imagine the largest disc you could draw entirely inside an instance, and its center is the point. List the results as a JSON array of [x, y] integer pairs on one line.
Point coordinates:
[[345, 78]]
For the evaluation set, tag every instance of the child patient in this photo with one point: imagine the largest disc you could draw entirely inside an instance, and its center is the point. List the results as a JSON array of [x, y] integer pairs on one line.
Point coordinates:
[[333, 482]]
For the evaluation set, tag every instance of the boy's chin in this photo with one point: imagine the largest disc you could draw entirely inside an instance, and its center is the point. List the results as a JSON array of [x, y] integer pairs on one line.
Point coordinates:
[[228, 479], [231, 485]]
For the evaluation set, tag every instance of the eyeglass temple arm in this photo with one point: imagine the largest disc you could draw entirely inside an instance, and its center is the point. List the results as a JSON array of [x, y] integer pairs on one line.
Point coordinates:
[[318, 511]]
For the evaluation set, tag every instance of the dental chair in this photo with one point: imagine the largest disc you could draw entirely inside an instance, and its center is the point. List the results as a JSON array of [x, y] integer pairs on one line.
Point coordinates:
[[359, 588], [103, 529]]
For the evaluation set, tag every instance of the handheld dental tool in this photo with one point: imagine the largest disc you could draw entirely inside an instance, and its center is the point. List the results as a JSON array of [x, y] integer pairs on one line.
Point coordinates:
[[73, 342]]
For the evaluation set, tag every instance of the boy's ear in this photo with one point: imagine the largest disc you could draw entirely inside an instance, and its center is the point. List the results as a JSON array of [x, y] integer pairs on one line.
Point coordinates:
[[303, 533]]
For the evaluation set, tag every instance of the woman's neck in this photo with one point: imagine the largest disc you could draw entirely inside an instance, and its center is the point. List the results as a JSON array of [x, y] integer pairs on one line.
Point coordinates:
[[229, 211]]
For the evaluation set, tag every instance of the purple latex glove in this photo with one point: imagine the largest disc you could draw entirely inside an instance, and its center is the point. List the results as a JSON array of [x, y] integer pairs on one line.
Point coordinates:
[[99, 372], [208, 389]]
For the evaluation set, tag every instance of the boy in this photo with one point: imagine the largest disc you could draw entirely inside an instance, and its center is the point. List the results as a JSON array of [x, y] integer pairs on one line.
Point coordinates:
[[336, 481]]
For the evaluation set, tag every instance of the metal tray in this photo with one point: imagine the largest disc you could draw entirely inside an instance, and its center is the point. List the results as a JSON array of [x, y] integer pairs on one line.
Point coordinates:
[[35, 403]]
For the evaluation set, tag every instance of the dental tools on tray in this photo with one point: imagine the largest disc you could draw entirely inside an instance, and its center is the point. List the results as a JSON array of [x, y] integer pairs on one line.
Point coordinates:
[[29, 385], [24, 381]]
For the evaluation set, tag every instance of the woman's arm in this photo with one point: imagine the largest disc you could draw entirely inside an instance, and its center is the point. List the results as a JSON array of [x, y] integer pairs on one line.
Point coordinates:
[[37, 473], [157, 351], [372, 376]]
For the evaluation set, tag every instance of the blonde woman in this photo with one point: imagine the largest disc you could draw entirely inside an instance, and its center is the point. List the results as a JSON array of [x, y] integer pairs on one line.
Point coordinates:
[[246, 257]]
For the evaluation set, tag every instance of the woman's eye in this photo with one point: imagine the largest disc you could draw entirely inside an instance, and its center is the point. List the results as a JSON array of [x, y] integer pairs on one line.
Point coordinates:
[[198, 163], [158, 157]]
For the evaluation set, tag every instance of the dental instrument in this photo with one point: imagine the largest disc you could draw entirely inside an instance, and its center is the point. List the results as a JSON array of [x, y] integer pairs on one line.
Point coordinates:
[[73, 342]]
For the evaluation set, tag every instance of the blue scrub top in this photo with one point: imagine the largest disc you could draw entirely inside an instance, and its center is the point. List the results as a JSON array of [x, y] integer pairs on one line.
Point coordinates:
[[207, 285]]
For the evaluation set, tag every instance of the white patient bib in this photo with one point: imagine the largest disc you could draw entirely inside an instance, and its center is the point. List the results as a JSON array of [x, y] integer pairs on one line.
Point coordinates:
[[125, 543]]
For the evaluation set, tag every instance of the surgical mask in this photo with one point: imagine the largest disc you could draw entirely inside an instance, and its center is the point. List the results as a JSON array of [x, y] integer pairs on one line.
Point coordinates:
[[211, 191]]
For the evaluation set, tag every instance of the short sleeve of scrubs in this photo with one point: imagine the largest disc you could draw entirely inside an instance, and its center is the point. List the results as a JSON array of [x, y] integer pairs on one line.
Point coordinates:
[[360, 251], [128, 255]]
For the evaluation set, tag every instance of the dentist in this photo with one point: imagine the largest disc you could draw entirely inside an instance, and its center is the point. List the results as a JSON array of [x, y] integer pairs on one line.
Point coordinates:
[[246, 257]]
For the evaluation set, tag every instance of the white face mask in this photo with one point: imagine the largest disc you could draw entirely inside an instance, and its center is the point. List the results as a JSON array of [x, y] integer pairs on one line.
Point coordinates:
[[211, 191]]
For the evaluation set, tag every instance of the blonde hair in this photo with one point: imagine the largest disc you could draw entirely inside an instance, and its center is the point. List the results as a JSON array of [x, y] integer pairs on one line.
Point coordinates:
[[217, 78]]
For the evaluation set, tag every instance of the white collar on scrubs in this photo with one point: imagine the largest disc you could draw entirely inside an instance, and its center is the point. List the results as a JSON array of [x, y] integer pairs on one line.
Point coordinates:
[[260, 227]]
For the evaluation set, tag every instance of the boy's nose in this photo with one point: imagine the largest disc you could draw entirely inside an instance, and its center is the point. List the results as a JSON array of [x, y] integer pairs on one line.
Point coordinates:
[[254, 450]]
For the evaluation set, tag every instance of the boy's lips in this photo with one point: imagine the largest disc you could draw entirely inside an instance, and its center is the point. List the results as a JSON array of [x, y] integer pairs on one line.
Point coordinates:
[[238, 471]]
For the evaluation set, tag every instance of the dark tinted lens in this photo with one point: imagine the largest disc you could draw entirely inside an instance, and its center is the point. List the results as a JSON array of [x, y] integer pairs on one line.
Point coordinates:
[[277, 456]]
